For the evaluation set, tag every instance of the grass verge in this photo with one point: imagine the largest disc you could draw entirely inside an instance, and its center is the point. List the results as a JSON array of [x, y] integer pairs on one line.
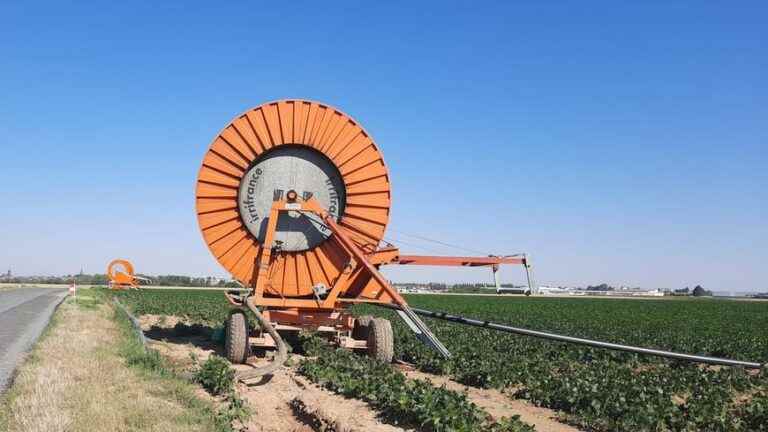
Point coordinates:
[[89, 372]]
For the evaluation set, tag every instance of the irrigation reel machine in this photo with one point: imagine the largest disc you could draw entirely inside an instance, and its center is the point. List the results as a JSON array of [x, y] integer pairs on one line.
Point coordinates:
[[293, 199], [121, 275]]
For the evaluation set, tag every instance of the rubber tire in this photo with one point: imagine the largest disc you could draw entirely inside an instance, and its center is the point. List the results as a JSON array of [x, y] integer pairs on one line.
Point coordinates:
[[236, 338], [381, 344], [362, 327]]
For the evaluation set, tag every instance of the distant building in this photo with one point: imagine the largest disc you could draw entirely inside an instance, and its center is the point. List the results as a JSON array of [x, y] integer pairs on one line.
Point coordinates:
[[632, 292], [621, 292], [406, 289], [546, 290]]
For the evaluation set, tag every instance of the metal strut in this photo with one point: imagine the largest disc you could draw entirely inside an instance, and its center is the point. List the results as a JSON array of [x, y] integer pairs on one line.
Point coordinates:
[[414, 322], [581, 341], [423, 333]]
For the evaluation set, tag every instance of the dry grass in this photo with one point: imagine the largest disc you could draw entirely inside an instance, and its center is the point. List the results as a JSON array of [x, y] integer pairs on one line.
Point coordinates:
[[76, 380]]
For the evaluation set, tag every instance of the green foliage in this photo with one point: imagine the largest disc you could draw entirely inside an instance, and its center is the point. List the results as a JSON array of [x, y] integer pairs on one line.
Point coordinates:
[[235, 411], [754, 414], [312, 345], [136, 354], [698, 291], [196, 306], [599, 389], [150, 362], [216, 375], [409, 402]]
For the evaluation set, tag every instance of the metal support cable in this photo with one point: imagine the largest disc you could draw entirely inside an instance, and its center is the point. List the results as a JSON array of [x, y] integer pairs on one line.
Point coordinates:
[[427, 239], [419, 237], [397, 241]]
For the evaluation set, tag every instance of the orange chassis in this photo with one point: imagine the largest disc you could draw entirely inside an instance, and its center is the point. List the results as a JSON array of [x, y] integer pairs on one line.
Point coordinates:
[[360, 282]]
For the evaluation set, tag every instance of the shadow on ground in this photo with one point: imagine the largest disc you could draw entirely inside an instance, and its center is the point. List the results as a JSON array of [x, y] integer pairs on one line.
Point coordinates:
[[195, 338]]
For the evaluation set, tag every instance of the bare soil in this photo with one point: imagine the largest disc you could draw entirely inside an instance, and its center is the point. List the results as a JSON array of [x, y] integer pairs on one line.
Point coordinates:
[[288, 402], [284, 401], [500, 404]]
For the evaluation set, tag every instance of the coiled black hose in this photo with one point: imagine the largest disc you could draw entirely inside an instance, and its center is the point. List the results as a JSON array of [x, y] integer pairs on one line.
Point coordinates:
[[282, 350]]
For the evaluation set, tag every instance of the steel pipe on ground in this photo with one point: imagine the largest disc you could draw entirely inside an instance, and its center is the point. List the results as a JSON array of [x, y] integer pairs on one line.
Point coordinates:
[[588, 342]]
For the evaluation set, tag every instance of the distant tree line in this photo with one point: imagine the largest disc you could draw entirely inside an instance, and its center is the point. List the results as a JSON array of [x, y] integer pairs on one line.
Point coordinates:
[[697, 291], [101, 279], [189, 281], [83, 279], [186, 281], [601, 287], [434, 286]]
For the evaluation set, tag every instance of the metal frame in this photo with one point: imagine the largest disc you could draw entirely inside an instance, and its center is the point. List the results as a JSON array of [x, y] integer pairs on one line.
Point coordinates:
[[358, 263], [359, 282]]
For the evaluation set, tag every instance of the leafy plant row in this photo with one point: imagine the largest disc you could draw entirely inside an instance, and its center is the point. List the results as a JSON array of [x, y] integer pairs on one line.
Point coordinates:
[[408, 402], [197, 306], [598, 389]]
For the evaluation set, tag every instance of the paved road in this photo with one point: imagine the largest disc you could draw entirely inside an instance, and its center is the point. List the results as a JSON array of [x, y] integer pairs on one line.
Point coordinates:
[[24, 313]]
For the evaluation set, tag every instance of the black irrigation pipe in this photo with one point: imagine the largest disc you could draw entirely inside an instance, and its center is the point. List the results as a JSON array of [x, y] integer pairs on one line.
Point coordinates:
[[589, 342], [134, 323]]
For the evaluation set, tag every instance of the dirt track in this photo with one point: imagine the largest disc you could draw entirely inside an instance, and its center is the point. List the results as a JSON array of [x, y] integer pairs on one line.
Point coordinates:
[[288, 402], [284, 402]]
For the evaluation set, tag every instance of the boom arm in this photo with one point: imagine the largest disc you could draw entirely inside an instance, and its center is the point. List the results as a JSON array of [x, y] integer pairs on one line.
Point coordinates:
[[492, 261], [458, 261]]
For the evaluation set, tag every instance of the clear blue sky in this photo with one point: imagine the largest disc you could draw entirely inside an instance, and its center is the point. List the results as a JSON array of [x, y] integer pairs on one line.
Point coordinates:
[[621, 143]]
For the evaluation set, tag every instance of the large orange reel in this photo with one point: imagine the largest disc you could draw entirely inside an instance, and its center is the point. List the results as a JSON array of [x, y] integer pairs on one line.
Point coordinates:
[[300, 145], [293, 198], [120, 274]]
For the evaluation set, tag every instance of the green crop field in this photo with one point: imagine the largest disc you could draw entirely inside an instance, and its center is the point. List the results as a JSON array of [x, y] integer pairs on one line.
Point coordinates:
[[606, 390], [596, 389], [197, 306]]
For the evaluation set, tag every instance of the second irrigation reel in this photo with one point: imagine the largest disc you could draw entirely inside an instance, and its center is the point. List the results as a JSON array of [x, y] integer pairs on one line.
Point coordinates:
[[120, 275]]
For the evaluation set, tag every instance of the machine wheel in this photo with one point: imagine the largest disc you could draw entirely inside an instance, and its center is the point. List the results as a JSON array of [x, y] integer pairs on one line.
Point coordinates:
[[381, 340], [236, 338], [362, 327]]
